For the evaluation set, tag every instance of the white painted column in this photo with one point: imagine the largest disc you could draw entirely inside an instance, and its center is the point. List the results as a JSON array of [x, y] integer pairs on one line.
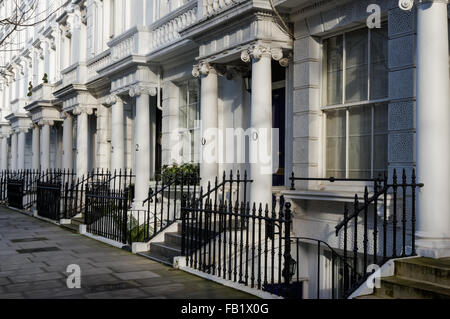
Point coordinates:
[[433, 130], [45, 145], [117, 134], [142, 142], [14, 151], [21, 149], [4, 150], [260, 149], [68, 142], [209, 165], [36, 148], [82, 141]]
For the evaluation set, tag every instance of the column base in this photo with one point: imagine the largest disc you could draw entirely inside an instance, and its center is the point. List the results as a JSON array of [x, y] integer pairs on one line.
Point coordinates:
[[432, 247]]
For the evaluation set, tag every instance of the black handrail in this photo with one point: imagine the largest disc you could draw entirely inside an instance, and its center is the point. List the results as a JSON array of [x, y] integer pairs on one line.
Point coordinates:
[[375, 181], [361, 213]]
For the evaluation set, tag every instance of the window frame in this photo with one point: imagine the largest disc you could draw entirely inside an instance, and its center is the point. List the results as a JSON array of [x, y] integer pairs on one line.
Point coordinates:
[[191, 130], [372, 103]]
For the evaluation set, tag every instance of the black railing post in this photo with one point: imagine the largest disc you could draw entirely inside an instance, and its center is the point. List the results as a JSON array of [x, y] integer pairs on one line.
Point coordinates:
[[413, 213], [366, 235], [345, 248], [183, 224], [394, 219], [355, 239], [404, 185], [287, 245], [125, 217], [318, 270]]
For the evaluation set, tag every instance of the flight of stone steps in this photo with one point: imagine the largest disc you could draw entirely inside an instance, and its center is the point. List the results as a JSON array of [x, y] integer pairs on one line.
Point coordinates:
[[416, 278], [165, 251]]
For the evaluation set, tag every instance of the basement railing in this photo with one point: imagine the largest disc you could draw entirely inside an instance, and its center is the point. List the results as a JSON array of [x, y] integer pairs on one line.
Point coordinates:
[[391, 235]]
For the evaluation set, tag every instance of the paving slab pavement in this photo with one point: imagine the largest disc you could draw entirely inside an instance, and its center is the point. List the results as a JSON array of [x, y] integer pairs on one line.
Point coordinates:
[[34, 256]]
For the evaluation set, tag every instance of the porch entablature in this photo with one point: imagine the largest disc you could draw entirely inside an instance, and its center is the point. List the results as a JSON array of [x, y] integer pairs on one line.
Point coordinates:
[[19, 121], [223, 37], [43, 111]]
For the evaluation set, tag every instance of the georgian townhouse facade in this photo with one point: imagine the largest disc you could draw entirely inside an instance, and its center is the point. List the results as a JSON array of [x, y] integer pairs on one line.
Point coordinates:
[[118, 84]]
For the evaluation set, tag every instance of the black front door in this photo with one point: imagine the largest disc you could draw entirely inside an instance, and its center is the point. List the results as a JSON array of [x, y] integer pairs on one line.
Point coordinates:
[[279, 122]]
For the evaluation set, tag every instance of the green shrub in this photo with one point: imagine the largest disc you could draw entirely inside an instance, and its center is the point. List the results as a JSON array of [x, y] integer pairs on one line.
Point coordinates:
[[188, 173]]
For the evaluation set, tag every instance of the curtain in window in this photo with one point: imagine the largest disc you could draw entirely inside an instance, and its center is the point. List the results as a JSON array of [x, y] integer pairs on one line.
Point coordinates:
[[334, 62], [360, 142], [356, 69], [336, 140], [380, 140], [189, 114], [379, 80]]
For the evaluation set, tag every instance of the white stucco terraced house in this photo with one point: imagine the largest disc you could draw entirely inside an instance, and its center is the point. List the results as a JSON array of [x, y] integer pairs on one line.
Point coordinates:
[[352, 102]]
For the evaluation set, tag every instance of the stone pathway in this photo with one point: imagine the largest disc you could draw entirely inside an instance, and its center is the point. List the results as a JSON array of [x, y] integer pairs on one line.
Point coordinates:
[[34, 256]]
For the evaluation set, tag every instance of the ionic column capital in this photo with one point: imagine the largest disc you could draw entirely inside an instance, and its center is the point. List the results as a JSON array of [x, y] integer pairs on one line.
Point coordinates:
[[46, 122], [257, 51], [65, 115], [138, 90], [21, 130], [203, 69], [113, 99], [83, 110]]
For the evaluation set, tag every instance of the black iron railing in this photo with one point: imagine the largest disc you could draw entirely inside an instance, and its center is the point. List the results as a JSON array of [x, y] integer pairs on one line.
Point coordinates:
[[162, 208], [48, 203], [376, 182], [27, 189], [15, 192], [74, 189], [387, 233], [333, 276], [106, 214], [163, 205], [239, 242], [4, 175], [105, 200]]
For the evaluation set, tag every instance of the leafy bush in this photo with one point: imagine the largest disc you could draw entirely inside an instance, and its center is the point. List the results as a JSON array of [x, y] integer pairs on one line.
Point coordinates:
[[183, 174]]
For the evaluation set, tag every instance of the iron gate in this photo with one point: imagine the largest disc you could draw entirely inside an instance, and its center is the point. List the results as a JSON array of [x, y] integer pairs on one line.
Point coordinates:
[[106, 214], [48, 202], [15, 190]]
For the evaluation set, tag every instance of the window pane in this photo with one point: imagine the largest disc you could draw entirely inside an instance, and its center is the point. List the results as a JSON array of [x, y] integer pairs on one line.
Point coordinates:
[[182, 114], [335, 150], [379, 63], [360, 126], [356, 80], [193, 106], [380, 140], [334, 59]]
